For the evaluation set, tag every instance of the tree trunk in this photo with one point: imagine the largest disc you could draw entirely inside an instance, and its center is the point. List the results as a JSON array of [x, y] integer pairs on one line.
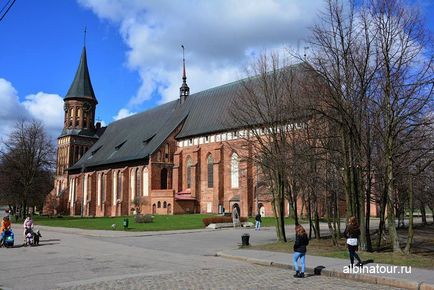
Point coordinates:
[[410, 218], [381, 226], [362, 216], [393, 235], [368, 212], [423, 213], [332, 230], [274, 203], [317, 227], [346, 174], [309, 215]]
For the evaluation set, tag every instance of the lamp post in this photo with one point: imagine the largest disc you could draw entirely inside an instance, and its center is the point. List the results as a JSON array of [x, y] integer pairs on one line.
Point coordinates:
[[82, 189]]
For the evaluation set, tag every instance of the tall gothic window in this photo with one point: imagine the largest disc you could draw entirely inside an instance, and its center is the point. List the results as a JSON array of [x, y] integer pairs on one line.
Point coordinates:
[[138, 182], [71, 117], [103, 183], [163, 178], [77, 119], [234, 170], [119, 186], [210, 171], [166, 152], [189, 164], [85, 120]]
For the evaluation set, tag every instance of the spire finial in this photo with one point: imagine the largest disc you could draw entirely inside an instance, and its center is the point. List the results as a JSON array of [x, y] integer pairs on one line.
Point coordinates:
[[84, 39], [184, 90], [184, 76]]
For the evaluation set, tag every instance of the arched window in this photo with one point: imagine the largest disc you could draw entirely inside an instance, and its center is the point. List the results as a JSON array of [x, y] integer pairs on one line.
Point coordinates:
[[164, 204], [166, 152], [119, 186], [85, 120], [103, 182], [210, 171], [189, 164], [163, 178], [234, 170], [159, 204], [77, 119], [138, 182], [71, 117]]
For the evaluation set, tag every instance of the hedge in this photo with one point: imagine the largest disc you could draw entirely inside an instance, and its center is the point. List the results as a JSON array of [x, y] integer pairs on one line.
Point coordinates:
[[220, 219]]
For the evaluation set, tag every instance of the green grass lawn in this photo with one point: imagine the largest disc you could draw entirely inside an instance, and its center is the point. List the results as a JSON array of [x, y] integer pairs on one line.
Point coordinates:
[[160, 223], [271, 221]]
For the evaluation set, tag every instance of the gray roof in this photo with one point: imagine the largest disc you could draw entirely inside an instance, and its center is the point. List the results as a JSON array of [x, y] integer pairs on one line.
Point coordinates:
[[133, 138], [138, 136], [81, 87]]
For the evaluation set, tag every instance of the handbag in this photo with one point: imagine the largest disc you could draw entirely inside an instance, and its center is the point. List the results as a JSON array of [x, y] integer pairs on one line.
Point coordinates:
[[352, 241]]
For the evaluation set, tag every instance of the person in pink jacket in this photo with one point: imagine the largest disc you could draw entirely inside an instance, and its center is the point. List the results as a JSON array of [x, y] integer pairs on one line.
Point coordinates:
[[28, 226]]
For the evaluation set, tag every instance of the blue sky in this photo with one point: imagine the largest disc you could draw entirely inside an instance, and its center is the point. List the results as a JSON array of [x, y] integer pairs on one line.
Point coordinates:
[[133, 49]]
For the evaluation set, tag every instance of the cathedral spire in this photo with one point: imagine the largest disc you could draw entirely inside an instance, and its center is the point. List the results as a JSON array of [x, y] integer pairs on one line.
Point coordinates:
[[81, 87], [184, 90]]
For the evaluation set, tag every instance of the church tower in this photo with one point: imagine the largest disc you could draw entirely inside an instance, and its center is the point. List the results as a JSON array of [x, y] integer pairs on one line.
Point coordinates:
[[79, 131]]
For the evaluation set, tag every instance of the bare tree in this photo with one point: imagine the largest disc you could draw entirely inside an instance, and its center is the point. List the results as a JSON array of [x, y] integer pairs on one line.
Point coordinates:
[[405, 82], [270, 109], [26, 164]]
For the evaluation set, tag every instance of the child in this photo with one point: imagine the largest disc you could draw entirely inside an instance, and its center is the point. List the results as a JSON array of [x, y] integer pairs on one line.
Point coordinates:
[[352, 233], [6, 226], [28, 225], [301, 241], [258, 222]]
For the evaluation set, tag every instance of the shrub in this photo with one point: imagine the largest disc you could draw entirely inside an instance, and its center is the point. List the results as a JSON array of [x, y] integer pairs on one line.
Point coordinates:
[[140, 218], [220, 219]]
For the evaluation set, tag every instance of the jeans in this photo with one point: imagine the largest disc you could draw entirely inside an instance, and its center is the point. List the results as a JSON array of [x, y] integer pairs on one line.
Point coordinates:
[[258, 225], [353, 255], [295, 257]]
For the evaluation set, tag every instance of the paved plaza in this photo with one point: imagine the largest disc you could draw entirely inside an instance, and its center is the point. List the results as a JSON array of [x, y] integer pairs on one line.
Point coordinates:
[[82, 259]]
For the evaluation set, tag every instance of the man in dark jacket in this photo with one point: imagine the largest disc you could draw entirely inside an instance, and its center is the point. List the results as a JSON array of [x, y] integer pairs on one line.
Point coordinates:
[[258, 222], [301, 241]]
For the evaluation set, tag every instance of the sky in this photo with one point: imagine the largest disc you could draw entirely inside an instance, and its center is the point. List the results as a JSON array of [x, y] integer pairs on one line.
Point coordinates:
[[134, 50]]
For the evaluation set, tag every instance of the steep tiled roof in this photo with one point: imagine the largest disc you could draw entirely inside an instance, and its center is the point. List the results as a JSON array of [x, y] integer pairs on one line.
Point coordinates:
[[81, 87], [138, 136]]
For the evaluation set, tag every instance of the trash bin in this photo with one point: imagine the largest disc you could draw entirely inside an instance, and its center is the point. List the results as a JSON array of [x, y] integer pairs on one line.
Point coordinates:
[[245, 239], [125, 223]]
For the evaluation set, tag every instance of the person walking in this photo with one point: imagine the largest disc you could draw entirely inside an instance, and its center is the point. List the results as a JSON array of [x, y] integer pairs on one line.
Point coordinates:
[[258, 222], [352, 234], [301, 241]]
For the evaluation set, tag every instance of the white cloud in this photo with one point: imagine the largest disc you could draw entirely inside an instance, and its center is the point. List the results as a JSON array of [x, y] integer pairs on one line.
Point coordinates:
[[47, 108], [220, 38], [123, 113]]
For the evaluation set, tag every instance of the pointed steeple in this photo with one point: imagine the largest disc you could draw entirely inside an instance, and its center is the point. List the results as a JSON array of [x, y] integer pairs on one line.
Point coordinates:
[[81, 87], [184, 90]]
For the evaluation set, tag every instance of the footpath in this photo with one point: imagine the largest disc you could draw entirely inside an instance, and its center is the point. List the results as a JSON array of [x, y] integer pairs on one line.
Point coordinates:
[[374, 273]]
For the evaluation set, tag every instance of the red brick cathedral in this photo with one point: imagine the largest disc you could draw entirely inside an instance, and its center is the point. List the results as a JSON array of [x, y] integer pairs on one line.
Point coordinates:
[[185, 156], [180, 157]]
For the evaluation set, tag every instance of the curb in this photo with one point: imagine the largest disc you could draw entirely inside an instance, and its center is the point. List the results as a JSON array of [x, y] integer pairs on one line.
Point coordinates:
[[386, 281]]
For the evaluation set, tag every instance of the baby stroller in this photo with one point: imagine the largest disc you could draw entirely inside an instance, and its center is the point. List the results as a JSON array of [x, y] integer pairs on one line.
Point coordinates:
[[29, 237], [8, 239], [32, 237]]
